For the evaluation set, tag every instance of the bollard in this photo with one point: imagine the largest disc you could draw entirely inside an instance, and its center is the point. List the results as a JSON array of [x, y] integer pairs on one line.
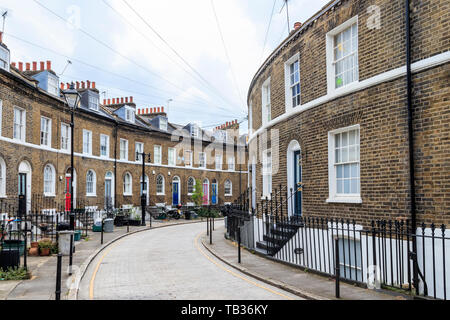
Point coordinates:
[[213, 224], [58, 277], [210, 231], [71, 255], [239, 244], [128, 226], [337, 269], [207, 226], [101, 237]]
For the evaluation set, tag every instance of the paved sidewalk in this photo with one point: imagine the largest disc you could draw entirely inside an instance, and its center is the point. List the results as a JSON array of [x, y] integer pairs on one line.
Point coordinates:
[[43, 269], [294, 280]]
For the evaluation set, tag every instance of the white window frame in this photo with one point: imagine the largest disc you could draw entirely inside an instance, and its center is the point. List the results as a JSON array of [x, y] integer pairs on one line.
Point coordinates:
[[93, 102], [65, 128], [87, 143], [107, 145], [266, 109], [219, 161], [193, 186], [123, 152], [163, 185], [231, 163], [22, 125], [130, 191], [250, 118], [331, 82], [172, 157], [194, 131], [2, 178], [4, 64], [333, 195], [46, 136], [163, 124], [94, 184], [190, 158], [130, 114], [287, 81], [202, 164], [267, 174], [52, 85], [49, 185], [230, 194], [138, 147], [157, 154]]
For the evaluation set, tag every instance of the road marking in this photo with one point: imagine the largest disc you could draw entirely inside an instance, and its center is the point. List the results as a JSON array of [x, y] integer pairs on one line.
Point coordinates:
[[234, 273], [91, 283]]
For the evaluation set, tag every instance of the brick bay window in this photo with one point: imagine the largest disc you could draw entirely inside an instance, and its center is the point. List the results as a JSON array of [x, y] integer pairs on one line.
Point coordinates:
[[46, 131], [266, 106], [87, 142], [267, 173], [342, 55], [292, 82], [19, 124], [123, 149], [344, 165]]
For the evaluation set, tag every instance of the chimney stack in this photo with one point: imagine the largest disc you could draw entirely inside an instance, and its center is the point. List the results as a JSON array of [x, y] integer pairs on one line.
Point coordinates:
[[42, 65], [49, 65]]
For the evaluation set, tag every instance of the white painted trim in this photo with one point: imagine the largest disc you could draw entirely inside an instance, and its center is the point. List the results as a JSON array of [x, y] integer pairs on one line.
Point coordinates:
[[330, 54], [107, 146], [126, 150], [390, 75], [90, 142], [332, 196], [94, 187], [287, 83], [264, 88], [293, 146], [1, 115]]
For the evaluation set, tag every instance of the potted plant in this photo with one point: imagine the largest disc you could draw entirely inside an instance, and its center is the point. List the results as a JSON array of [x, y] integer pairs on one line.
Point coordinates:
[[45, 246], [34, 249], [134, 218]]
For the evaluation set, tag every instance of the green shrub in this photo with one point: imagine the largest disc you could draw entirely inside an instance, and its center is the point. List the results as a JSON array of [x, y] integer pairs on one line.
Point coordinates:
[[14, 274], [45, 243]]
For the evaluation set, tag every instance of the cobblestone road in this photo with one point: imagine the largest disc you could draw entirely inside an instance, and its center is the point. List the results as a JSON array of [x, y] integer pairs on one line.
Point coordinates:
[[169, 263]]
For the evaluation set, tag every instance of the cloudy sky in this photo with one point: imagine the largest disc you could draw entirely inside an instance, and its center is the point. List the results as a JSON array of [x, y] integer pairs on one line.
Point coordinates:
[[157, 50]]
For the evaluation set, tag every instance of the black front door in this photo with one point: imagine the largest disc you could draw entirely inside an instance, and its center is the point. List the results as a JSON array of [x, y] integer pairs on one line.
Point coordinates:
[[298, 183]]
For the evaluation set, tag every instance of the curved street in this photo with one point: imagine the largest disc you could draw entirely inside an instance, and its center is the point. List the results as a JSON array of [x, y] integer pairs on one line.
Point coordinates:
[[169, 263]]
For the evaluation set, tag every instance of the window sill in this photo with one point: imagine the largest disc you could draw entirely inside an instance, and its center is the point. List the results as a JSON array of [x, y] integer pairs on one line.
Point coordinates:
[[127, 194], [228, 195], [91, 195], [264, 198], [344, 200], [160, 194], [49, 195]]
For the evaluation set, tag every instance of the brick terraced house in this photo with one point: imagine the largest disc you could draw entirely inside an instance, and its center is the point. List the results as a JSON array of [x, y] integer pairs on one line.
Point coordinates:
[[35, 146], [328, 116]]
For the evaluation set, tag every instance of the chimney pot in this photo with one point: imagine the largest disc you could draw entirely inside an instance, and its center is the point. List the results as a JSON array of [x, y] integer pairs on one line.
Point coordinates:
[[67, 86], [78, 85], [126, 99], [109, 101], [131, 99], [93, 84], [62, 85], [158, 109], [34, 65], [13, 64], [49, 65], [88, 84], [146, 111], [82, 84], [162, 109], [121, 100], [297, 25], [1, 37], [113, 100], [42, 65], [28, 66], [20, 66]]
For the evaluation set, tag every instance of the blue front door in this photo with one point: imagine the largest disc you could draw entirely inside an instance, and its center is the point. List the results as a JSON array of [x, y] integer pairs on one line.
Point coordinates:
[[298, 183], [214, 193], [175, 193]]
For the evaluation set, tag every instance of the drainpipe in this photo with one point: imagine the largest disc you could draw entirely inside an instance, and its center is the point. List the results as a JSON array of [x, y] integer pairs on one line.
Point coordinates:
[[115, 165], [411, 139]]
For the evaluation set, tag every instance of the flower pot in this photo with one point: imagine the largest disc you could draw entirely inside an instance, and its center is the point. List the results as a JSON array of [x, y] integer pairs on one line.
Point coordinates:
[[33, 251], [44, 251], [35, 244]]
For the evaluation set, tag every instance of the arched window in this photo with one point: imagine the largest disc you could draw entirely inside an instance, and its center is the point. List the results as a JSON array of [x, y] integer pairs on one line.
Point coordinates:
[[160, 184], [91, 183], [228, 187], [2, 178], [49, 180], [127, 190], [191, 185]]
